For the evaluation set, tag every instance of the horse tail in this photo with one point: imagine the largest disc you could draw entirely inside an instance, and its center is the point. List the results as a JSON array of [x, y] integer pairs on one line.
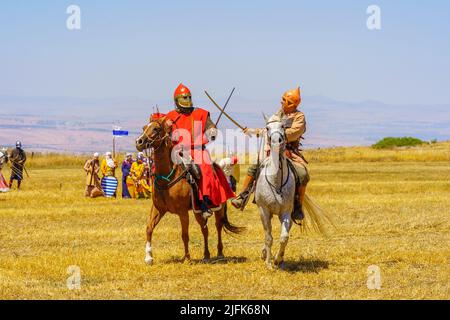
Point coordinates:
[[228, 227], [316, 219]]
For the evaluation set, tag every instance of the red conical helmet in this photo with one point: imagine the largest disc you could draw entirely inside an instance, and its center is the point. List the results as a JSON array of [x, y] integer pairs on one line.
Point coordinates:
[[182, 97], [180, 90]]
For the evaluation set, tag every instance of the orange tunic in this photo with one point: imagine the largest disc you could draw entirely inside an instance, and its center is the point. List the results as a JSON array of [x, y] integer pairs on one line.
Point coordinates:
[[189, 129]]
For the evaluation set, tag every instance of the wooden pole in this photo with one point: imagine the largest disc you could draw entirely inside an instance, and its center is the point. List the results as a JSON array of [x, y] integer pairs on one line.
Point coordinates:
[[114, 147]]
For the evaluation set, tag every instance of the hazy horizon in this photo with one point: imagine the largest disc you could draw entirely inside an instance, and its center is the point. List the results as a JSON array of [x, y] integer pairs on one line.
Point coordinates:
[[359, 84]]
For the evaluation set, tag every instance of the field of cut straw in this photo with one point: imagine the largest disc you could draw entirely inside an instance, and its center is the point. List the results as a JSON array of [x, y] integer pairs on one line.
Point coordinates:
[[391, 209]]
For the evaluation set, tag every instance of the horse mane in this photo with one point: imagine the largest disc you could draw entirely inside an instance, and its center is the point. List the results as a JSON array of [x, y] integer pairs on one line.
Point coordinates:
[[280, 116]]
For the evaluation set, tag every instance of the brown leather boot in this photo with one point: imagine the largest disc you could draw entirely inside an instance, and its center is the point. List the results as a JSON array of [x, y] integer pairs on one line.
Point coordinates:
[[239, 200]]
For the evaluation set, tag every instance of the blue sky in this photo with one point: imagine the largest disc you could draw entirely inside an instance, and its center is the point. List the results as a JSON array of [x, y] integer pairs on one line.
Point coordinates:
[[145, 48]]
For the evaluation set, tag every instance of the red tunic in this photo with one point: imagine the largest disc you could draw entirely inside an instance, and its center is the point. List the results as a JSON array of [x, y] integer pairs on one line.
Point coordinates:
[[191, 132]]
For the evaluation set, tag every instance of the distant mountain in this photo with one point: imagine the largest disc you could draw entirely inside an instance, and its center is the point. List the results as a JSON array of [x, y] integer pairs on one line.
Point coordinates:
[[85, 124]]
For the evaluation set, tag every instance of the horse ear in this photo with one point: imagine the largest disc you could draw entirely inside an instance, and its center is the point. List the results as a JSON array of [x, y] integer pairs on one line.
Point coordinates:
[[265, 117]]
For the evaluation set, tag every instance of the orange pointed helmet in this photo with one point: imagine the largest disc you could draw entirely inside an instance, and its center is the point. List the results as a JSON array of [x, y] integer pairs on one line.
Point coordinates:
[[291, 100], [182, 97]]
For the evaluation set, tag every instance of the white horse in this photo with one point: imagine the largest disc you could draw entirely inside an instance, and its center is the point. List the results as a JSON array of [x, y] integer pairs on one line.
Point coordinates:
[[275, 191]]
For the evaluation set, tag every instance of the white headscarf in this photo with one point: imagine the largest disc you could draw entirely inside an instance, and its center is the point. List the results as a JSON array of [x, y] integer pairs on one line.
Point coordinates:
[[110, 160]]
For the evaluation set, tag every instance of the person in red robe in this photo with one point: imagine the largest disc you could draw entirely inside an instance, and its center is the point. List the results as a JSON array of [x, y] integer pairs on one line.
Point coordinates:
[[192, 129]]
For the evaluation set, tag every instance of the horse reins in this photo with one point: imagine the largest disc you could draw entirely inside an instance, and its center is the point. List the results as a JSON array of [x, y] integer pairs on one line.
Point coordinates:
[[171, 183], [167, 178], [280, 189]]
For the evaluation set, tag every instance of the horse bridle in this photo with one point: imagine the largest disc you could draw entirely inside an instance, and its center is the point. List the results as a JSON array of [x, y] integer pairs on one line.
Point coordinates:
[[283, 135], [160, 139], [278, 190]]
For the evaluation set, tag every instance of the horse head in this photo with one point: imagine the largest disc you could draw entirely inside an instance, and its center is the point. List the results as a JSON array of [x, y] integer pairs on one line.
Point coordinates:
[[275, 128], [154, 134]]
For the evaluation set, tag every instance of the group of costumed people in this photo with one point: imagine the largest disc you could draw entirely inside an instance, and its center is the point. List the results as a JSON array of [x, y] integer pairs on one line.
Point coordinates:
[[136, 175], [216, 187], [17, 158]]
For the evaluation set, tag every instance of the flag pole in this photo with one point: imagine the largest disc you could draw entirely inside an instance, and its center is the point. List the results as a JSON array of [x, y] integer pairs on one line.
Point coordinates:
[[114, 146]]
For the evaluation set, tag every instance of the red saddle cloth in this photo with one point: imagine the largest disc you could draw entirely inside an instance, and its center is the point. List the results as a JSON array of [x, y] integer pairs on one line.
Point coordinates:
[[213, 182]]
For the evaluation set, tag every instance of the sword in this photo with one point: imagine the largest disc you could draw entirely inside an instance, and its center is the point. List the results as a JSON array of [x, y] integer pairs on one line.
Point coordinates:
[[224, 113], [224, 107]]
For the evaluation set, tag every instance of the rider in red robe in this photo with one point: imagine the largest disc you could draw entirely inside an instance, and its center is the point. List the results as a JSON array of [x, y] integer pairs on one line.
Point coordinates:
[[192, 129]]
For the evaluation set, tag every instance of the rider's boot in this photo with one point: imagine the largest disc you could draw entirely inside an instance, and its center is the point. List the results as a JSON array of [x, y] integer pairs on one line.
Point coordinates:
[[298, 214], [239, 200], [206, 212]]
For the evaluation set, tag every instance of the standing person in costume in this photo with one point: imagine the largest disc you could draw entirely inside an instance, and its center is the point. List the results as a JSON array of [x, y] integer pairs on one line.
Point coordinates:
[[18, 159], [3, 160], [148, 169], [295, 129], [192, 129], [230, 167], [126, 167], [137, 174], [93, 186], [108, 166]]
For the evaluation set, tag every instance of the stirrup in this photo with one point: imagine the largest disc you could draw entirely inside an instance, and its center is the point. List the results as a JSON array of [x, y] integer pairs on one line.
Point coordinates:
[[240, 198], [244, 197], [207, 214]]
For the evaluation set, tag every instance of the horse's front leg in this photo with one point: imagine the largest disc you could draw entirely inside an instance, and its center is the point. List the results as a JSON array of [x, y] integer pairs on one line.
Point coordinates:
[[266, 219], [219, 226], [184, 219], [155, 217], [205, 233], [286, 223]]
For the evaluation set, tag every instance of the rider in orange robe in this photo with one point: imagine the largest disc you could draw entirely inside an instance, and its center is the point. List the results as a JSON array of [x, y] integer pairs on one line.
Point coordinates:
[[192, 129]]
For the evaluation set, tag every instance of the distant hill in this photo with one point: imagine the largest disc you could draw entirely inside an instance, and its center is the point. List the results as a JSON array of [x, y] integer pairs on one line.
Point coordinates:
[[85, 124]]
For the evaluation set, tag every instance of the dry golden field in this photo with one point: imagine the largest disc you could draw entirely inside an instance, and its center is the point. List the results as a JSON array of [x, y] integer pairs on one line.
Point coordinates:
[[391, 209]]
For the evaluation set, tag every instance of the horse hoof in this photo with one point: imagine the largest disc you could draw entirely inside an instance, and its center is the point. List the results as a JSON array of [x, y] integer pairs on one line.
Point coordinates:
[[205, 260], [220, 257], [263, 254], [269, 266], [149, 261]]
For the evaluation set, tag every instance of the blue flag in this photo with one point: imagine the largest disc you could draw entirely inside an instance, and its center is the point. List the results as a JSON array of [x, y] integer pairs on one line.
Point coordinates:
[[120, 133]]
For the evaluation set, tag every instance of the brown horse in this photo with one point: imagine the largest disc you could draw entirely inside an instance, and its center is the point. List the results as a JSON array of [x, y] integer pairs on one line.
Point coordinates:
[[172, 193]]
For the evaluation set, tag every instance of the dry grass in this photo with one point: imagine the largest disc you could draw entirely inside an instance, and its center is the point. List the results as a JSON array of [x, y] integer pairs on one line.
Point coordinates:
[[391, 214], [424, 153]]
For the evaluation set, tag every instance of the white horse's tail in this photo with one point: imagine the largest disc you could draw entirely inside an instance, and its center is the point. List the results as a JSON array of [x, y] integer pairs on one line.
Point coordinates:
[[316, 219]]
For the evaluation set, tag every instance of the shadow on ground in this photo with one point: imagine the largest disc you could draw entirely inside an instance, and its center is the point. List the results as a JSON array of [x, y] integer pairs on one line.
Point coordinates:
[[305, 265], [213, 260]]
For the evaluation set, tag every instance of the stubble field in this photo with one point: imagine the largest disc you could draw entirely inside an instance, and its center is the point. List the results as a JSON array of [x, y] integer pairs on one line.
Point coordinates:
[[391, 211]]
